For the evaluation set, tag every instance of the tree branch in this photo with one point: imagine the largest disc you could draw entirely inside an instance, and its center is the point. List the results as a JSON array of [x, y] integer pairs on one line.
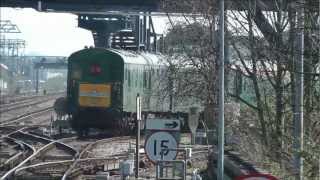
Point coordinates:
[[244, 101]]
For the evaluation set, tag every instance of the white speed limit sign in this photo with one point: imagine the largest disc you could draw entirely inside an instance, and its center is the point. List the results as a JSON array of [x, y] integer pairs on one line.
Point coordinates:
[[158, 141]]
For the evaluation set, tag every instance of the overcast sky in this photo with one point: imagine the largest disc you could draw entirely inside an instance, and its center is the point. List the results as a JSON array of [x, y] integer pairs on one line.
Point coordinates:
[[54, 34]]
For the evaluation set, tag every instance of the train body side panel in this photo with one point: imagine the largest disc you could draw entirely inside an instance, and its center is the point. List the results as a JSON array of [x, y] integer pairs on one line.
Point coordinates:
[[150, 82]]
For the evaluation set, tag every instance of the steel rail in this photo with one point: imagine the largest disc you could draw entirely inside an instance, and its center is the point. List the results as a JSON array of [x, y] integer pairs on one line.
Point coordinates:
[[57, 143], [67, 162], [35, 153], [48, 147], [85, 150], [17, 99], [22, 105], [24, 116], [8, 175]]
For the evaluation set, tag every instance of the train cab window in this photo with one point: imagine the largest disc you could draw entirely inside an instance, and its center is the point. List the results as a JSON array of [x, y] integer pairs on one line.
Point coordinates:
[[76, 72]]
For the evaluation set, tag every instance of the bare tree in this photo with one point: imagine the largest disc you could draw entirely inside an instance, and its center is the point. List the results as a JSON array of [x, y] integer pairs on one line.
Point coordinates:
[[263, 49]]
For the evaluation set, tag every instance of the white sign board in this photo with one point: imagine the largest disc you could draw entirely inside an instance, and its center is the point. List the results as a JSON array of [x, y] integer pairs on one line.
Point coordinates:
[[158, 141], [163, 124]]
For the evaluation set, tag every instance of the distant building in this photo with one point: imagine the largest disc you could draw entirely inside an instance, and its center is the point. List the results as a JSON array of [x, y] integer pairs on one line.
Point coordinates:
[[4, 78]]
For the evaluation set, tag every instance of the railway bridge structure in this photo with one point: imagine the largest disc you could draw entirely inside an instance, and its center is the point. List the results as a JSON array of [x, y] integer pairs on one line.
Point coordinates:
[[104, 17]]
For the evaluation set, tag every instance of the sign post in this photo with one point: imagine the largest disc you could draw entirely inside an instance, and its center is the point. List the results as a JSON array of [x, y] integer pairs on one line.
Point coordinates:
[[161, 145], [138, 100]]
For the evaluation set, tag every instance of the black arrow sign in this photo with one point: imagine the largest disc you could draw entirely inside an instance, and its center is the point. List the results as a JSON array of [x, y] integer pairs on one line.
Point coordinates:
[[172, 125]]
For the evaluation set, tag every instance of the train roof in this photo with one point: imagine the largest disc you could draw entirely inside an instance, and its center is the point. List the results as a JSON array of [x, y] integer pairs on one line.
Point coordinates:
[[132, 57]]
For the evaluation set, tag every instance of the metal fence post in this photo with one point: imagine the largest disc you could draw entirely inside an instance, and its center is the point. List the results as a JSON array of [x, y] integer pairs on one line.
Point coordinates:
[[138, 101]]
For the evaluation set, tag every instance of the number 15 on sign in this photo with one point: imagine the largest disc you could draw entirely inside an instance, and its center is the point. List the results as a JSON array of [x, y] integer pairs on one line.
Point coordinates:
[[161, 142]]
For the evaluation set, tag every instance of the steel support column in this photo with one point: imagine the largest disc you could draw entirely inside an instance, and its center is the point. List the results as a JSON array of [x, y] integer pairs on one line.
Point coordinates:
[[221, 95], [298, 107], [138, 32]]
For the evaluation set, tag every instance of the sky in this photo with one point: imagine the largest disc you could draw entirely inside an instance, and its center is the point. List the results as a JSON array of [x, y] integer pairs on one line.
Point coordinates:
[[53, 34]]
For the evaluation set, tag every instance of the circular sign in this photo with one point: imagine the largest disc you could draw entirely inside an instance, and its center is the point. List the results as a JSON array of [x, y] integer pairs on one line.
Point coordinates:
[[256, 177], [161, 142]]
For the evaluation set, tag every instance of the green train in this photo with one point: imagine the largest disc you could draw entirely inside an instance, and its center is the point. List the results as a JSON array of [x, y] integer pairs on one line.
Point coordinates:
[[103, 84]]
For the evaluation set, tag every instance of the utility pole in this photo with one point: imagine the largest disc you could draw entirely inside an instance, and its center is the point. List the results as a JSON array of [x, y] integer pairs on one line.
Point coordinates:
[[37, 80], [298, 106], [221, 95]]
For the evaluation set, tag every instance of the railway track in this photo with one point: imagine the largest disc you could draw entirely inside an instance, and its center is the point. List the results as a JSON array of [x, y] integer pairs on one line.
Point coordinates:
[[38, 157], [38, 149], [13, 99], [85, 163], [13, 114], [66, 168], [23, 117], [26, 103]]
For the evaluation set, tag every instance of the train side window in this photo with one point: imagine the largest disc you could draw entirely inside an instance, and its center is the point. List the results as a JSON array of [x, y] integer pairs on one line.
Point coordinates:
[[142, 78], [126, 75], [150, 75], [145, 79], [129, 78], [136, 77]]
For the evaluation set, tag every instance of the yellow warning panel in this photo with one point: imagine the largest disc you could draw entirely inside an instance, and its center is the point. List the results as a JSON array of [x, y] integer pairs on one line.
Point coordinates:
[[95, 95]]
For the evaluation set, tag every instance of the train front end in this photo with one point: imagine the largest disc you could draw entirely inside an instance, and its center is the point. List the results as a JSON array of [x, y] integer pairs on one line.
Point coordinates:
[[94, 92]]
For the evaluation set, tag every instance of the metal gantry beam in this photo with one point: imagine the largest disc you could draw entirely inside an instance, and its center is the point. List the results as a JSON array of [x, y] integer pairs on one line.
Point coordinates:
[[102, 26], [10, 47], [132, 6], [51, 65], [7, 27], [84, 5]]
